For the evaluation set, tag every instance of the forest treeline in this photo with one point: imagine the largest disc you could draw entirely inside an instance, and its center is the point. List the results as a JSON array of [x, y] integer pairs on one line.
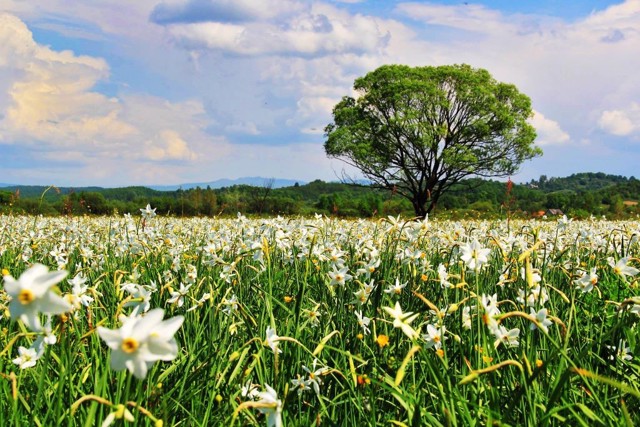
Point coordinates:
[[578, 196]]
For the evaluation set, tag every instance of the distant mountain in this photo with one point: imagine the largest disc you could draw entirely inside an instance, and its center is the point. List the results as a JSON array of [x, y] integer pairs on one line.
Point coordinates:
[[255, 181]]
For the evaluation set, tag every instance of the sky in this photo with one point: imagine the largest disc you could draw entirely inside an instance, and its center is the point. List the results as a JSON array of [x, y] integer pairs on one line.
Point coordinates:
[[150, 92]]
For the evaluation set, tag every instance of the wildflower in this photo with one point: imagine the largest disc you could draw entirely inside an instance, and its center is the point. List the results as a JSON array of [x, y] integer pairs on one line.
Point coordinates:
[[339, 277], [541, 318], [402, 320], [314, 376], [434, 336], [231, 305], [506, 337], [205, 297], [563, 222], [270, 405], [369, 268], [140, 298], [474, 255], [313, 315], [621, 351], [177, 297], [396, 289], [621, 268], [121, 412], [140, 341], [249, 390], [490, 307], [443, 276], [78, 296], [466, 317], [27, 357], [272, 340], [363, 321], [382, 340], [31, 295], [300, 384], [587, 281], [148, 213]]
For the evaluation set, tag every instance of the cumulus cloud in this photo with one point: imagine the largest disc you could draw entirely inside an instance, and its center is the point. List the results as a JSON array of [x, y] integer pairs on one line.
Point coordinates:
[[549, 131], [301, 29], [52, 104], [621, 122]]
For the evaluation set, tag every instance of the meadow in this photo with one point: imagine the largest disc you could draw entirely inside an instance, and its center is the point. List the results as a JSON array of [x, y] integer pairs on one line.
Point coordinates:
[[150, 320]]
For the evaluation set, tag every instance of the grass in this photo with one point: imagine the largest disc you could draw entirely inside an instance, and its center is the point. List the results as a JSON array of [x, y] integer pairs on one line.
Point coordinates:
[[247, 275]]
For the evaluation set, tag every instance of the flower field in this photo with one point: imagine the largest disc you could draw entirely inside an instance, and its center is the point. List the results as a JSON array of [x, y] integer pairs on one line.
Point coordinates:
[[157, 321]]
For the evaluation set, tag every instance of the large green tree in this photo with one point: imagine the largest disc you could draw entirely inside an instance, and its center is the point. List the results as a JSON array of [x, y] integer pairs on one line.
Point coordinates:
[[417, 131]]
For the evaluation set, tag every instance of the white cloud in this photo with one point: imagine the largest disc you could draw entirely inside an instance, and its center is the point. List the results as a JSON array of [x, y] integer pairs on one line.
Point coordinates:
[[52, 105], [549, 131], [621, 122], [319, 30]]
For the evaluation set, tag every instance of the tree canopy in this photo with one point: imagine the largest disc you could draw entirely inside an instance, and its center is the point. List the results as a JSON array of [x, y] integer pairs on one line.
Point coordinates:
[[417, 131]]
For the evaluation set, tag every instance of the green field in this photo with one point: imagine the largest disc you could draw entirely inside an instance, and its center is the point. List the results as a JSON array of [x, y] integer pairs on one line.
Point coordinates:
[[318, 321]]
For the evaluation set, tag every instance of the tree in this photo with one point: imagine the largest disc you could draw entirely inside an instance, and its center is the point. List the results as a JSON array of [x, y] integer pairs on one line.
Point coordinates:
[[417, 131]]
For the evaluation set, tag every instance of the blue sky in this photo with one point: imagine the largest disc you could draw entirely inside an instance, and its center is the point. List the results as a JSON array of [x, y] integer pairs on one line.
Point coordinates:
[[120, 92]]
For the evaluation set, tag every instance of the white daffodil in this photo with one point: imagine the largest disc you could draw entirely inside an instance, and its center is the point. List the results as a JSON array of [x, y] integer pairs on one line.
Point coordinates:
[[443, 276], [272, 340], [474, 255], [315, 375], [402, 320], [177, 297], [271, 406], [32, 295], [27, 357], [621, 351], [140, 341], [434, 336], [587, 281], [541, 318], [339, 277], [363, 321], [148, 213], [621, 268], [397, 288], [507, 337]]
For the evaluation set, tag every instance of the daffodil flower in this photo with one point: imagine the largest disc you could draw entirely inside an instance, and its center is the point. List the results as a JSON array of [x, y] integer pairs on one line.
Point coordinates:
[[141, 341], [402, 320], [474, 255], [32, 295]]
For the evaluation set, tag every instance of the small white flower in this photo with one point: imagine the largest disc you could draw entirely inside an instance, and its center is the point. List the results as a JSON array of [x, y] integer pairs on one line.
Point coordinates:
[[541, 318], [397, 288], [402, 320], [363, 321], [434, 336], [274, 408], [27, 357], [507, 337], [272, 340]]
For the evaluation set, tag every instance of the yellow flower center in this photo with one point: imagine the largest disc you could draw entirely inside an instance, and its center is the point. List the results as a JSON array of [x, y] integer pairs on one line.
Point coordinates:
[[26, 297], [129, 345]]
